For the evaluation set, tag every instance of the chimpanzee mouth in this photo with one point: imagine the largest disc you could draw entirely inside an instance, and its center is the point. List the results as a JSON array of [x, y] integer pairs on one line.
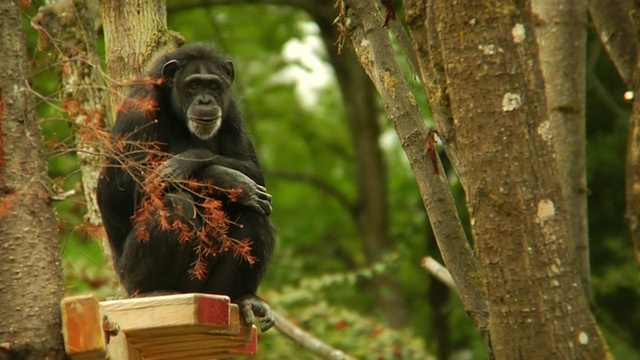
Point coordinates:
[[204, 121]]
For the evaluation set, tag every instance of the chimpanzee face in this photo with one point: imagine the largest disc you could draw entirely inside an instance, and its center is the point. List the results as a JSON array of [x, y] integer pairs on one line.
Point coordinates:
[[200, 94]]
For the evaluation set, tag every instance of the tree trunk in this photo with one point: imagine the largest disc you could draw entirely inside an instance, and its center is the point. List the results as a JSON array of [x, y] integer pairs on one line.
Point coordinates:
[[30, 269], [537, 306], [70, 28], [135, 34], [372, 209], [562, 37], [362, 24], [617, 22]]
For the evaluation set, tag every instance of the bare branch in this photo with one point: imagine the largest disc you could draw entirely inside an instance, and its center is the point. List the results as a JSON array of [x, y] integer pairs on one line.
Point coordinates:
[[612, 19], [306, 340], [64, 195], [438, 271], [320, 184]]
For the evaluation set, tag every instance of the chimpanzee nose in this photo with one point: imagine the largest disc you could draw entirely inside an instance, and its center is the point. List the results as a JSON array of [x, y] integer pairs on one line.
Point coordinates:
[[204, 100]]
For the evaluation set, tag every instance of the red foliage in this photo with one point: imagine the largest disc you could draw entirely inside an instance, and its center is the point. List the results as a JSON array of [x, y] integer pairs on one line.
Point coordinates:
[[25, 4], [71, 107], [91, 231], [146, 105], [206, 231], [148, 82], [7, 204]]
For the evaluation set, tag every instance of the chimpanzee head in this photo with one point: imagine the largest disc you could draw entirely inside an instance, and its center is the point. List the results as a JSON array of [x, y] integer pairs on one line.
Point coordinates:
[[200, 92]]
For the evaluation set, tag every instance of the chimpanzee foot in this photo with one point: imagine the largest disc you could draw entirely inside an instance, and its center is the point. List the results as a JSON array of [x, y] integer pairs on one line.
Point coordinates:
[[252, 306]]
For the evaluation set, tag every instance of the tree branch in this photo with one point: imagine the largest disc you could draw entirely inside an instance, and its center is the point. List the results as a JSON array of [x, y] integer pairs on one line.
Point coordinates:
[[612, 19], [320, 184], [376, 55], [306, 340], [561, 31], [438, 271], [426, 45]]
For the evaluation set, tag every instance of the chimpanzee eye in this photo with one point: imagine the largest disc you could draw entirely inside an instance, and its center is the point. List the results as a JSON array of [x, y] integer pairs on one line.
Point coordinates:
[[193, 87]]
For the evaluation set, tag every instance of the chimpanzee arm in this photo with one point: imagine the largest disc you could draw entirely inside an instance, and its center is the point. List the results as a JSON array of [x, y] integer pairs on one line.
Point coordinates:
[[191, 161], [251, 194], [187, 163], [203, 165]]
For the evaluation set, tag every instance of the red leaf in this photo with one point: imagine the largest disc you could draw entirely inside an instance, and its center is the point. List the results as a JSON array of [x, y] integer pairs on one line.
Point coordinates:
[[7, 204]]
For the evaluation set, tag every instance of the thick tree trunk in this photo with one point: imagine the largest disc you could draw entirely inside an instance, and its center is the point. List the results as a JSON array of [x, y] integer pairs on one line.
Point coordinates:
[[373, 47], [30, 269], [537, 307], [562, 37], [135, 34]]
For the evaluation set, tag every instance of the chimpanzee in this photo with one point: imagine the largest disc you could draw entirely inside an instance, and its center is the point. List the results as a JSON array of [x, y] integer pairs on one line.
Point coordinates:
[[183, 116]]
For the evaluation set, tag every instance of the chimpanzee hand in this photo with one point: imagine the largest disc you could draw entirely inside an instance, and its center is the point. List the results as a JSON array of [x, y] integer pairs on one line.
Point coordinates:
[[251, 194], [252, 306]]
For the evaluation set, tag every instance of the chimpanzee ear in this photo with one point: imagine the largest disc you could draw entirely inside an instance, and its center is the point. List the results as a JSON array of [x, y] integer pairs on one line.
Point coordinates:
[[169, 68], [227, 67]]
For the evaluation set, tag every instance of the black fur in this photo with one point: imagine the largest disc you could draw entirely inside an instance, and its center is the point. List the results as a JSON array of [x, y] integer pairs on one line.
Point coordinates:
[[225, 154]]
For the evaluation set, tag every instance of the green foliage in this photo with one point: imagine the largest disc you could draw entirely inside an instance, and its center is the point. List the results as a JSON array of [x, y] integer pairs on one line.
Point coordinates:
[[356, 334]]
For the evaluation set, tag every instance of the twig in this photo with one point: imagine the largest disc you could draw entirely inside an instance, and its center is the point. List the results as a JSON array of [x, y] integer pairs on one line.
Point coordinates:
[[438, 271], [306, 340], [64, 195]]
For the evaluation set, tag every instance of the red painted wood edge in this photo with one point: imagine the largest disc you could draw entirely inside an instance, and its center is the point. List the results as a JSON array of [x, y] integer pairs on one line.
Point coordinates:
[[213, 311], [251, 347]]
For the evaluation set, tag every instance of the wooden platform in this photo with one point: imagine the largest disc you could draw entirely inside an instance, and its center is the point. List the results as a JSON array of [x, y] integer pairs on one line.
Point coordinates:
[[193, 326]]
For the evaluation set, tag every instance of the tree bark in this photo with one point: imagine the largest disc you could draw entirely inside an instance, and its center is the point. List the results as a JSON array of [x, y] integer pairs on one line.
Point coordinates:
[[372, 209], [70, 27], [614, 25], [562, 37], [135, 34], [518, 214], [30, 269], [376, 54], [617, 23]]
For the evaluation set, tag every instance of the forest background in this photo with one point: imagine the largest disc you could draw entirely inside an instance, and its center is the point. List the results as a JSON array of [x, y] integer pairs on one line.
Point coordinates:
[[326, 276]]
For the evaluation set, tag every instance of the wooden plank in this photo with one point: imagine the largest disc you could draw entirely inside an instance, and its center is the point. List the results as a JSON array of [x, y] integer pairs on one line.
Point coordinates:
[[84, 338], [170, 310], [234, 328], [149, 345], [83, 329], [205, 352]]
